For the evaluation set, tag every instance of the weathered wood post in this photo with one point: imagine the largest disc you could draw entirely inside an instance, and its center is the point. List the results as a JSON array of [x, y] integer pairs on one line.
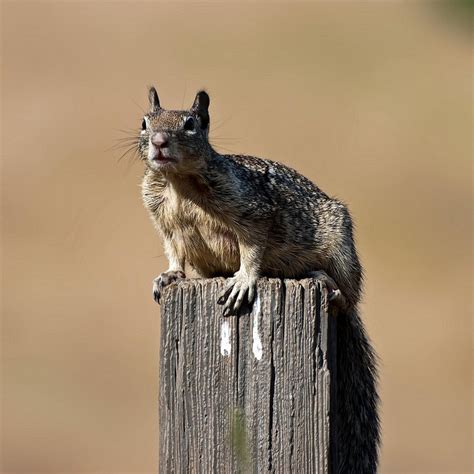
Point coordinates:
[[251, 393]]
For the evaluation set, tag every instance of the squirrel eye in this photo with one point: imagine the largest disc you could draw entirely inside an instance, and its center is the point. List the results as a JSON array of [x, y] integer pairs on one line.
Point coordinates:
[[144, 124], [189, 124]]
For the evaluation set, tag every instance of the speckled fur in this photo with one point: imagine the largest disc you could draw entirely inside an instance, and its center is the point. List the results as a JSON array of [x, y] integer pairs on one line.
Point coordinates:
[[225, 213]]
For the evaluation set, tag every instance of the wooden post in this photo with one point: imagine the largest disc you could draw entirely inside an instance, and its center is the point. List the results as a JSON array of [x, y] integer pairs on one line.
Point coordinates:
[[249, 393]]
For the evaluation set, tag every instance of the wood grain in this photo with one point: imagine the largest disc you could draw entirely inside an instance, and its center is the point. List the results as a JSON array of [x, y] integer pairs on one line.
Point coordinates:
[[247, 393]]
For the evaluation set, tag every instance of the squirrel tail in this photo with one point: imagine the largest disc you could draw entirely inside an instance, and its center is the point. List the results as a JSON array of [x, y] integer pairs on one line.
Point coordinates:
[[357, 420]]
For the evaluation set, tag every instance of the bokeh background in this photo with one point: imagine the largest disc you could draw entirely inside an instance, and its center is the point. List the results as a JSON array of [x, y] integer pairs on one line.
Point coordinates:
[[373, 101]]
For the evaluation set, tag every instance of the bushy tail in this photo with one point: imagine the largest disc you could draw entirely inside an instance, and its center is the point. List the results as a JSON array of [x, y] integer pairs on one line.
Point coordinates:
[[357, 421]]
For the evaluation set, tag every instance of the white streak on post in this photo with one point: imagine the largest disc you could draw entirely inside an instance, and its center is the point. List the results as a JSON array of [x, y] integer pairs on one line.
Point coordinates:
[[257, 342], [225, 339]]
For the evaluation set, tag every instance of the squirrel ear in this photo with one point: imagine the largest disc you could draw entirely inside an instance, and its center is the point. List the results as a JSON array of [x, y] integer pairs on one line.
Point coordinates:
[[154, 100], [201, 107]]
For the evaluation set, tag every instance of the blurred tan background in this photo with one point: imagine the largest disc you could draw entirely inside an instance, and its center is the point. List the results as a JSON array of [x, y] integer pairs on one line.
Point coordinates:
[[371, 101]]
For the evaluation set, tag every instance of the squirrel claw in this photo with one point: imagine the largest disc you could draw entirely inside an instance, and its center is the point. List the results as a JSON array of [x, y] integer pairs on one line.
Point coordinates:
[[336, 297], [221, 299], [334, 293], [162, 281], [237, 289]]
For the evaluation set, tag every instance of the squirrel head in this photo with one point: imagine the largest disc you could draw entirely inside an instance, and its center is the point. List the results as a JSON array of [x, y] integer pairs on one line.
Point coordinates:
[[175, 141]]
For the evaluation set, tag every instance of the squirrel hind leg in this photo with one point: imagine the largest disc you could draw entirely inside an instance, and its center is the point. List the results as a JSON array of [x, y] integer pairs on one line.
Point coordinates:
[[335, 295], [165, 279]]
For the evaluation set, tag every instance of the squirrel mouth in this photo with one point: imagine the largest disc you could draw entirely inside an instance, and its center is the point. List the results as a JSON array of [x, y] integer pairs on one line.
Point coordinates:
[[162, 159]]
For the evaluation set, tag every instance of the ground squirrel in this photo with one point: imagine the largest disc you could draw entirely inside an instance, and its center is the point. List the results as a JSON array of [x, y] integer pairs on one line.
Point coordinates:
[[244, 217]]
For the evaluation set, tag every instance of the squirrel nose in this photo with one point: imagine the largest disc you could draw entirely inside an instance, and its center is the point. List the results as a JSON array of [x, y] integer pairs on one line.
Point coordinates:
[[159, 140]]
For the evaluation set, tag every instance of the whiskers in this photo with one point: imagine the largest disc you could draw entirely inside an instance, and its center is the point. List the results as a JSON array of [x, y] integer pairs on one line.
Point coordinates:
[[128, 145], [223, 143], [220, 142]]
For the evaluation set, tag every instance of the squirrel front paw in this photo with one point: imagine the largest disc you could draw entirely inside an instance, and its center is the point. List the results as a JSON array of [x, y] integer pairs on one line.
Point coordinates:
[[236, 289], [165, 279]]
